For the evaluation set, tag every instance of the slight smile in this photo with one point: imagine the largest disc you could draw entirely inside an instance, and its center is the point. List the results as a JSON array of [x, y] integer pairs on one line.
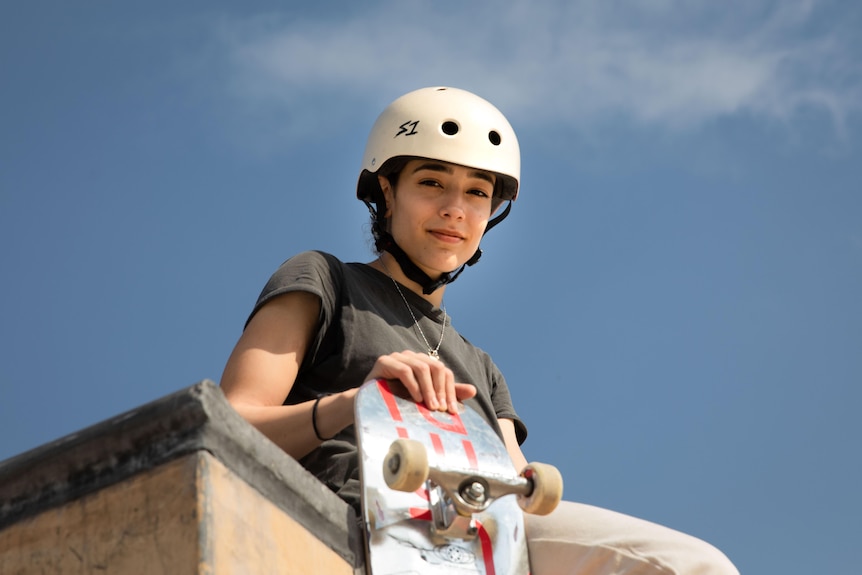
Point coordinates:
[[448, 236]]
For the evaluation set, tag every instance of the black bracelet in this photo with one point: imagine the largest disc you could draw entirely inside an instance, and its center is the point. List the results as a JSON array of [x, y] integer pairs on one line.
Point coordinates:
[[314, 418]]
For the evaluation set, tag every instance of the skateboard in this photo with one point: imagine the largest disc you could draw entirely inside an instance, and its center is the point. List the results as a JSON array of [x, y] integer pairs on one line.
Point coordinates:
[[440, 493]]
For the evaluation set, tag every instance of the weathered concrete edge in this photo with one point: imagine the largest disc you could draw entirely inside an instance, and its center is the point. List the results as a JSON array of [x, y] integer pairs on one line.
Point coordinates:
[[282, 479], [192, 419]]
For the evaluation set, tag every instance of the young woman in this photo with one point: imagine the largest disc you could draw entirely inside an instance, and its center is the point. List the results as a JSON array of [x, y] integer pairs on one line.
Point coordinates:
[[438, 167]]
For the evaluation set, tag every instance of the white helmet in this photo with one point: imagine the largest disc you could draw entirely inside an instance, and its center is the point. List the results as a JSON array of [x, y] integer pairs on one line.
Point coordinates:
[[444, 124]]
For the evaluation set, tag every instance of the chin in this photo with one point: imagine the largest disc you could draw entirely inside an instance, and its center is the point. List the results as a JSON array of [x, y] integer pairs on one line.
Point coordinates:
[[445, 262], [443, 266]]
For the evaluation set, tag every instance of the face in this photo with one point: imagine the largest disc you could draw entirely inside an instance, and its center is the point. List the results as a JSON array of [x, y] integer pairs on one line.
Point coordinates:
[[438, 212]]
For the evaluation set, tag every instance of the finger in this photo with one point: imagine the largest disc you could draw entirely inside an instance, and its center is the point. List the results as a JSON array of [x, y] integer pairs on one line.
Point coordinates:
[[428, 379], [418, 374], [444, 383], [451, 401], [465, 391], [396, 367], [436, 380]]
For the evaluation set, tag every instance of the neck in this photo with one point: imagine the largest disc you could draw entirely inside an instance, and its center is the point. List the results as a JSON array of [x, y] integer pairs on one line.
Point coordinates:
[[387, 264]]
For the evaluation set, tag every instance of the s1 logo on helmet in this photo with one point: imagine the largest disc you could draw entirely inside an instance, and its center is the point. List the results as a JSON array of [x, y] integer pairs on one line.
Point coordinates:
[[404, 128]]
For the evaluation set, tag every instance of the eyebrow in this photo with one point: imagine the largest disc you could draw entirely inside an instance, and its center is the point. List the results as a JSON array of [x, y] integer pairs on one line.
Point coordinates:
[[438, 167]]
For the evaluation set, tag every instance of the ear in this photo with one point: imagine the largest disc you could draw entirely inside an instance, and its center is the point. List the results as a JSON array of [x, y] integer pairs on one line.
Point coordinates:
[[388, 193]]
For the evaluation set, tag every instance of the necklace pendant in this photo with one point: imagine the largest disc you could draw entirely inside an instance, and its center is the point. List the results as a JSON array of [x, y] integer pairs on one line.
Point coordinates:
[[432, 353]]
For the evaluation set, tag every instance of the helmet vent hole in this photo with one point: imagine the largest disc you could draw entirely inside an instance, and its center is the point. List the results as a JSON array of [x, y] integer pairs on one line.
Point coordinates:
[[494, 137], [450, 128]]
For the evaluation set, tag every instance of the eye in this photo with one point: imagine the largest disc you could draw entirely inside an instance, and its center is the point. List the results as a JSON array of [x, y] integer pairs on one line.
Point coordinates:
[[479, 192]]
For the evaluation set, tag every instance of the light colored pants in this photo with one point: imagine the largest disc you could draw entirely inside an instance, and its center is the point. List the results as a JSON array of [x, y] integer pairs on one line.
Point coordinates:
[[585, 540]]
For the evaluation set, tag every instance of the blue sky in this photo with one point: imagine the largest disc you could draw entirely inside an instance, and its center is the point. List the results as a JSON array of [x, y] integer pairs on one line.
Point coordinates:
[[675, 299]]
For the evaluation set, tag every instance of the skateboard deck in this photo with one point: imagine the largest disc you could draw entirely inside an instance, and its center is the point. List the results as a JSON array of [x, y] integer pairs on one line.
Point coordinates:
[[420, 530]]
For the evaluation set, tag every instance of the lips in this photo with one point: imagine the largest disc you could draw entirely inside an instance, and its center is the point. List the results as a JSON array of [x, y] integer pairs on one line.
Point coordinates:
[[448, 236]]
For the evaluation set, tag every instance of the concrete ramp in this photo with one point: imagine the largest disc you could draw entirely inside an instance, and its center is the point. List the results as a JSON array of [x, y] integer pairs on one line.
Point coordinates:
[[181, 485]]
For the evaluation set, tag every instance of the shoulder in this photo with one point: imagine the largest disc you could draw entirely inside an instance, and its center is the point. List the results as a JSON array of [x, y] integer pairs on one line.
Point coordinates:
[[312, 258], [307, 268], [314, 272]]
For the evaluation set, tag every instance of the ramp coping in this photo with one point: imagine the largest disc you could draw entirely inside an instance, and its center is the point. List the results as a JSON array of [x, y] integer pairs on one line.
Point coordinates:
[[191, 419]]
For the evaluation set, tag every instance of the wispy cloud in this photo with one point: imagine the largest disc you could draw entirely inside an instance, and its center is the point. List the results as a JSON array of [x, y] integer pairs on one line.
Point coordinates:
[[660, 62]]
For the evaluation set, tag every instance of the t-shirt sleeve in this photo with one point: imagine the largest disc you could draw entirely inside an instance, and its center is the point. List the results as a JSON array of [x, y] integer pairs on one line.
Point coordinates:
[[502, 401], [307, 272], [313, 272]]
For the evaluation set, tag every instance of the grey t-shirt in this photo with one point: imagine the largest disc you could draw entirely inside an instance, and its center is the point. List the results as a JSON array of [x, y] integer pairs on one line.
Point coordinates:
[[362, 316]]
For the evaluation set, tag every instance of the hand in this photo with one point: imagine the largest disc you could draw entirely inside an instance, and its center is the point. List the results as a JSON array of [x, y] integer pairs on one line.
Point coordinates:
[[426, 379]]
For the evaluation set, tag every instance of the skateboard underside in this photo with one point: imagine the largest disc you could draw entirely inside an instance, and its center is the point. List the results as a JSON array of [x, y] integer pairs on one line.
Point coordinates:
[[401, 535]]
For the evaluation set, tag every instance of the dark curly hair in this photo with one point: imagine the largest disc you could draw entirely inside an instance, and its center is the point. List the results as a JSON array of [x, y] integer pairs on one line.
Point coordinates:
[[391, 170]]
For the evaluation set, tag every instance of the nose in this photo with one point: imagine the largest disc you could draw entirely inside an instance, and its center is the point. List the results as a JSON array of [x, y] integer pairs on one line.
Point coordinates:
[[453, 205]]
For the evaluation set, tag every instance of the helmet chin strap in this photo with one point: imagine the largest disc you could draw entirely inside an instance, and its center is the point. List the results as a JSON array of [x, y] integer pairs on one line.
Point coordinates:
[[385, 242], [429, 285]]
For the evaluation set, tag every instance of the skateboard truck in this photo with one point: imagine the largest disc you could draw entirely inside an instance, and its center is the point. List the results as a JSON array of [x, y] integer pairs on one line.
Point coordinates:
[[455, 495], [445, 519]]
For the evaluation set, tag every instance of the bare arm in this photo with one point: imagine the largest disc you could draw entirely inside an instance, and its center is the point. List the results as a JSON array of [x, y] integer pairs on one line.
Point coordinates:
[[263, 367], [511, 441]]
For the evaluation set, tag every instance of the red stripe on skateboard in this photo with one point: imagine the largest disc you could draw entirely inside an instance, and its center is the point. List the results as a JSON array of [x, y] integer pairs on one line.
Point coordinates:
[[457, 426], [487, 551], [471, 453], [437, 443], [420, 513], [389, 399], [402, 432]]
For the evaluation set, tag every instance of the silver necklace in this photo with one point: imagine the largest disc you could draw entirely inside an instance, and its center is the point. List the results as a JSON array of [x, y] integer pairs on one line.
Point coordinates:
[[432, 352]]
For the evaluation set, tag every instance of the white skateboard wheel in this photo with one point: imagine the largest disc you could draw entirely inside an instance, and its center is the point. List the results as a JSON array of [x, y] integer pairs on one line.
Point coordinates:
[[405, 467], [547, 489]]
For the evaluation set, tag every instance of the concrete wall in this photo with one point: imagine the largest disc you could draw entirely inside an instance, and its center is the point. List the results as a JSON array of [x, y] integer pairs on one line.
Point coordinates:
[[182, 485]]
